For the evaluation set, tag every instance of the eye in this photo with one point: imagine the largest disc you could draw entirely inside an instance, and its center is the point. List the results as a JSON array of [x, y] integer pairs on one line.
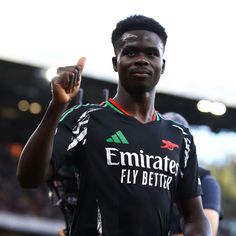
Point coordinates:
[[130, 52], [153, 53]]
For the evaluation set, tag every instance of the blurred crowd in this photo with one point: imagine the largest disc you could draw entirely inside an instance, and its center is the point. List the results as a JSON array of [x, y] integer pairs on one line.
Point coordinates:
[[17, 200]]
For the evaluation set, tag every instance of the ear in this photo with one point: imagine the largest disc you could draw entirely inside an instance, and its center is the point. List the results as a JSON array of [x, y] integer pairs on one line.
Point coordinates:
[[163, 66], [114, 62]]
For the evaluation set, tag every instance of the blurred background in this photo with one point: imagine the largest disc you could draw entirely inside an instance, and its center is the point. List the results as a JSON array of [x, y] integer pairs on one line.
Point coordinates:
[[199, 83]]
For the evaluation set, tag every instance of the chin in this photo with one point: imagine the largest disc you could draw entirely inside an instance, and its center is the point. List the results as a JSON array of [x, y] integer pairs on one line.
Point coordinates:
[[138, 89]]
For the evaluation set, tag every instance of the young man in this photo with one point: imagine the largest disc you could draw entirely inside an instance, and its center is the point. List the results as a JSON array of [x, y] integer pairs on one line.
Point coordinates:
[[211, 198], [132, 164]]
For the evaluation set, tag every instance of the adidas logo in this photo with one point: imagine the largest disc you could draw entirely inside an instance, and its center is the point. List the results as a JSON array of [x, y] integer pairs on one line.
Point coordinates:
[[118, 137]]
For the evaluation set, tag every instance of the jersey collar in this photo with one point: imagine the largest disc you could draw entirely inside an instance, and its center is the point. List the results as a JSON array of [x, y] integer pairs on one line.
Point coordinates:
[[115, 106]]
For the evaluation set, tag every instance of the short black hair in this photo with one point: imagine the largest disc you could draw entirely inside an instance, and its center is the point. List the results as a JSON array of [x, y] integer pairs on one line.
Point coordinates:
[[138, 22]]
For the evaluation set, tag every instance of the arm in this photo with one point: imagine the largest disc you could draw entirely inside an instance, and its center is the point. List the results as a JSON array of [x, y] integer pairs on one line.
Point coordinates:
[[189, 193], [34, 163], [62, 233], [195, 222], [211, 201], [213, 218]]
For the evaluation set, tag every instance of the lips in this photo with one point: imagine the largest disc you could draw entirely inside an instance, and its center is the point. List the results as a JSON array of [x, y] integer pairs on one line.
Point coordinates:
[[140, 72]]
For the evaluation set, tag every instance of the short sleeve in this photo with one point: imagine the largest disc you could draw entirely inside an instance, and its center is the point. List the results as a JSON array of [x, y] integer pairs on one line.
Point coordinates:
[[61, 141], [64, 135], [211, 198], [70, 136], [189, 185]]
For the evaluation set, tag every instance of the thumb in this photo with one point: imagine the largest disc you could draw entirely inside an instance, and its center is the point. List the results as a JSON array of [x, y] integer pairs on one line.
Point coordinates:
[[81, 63]]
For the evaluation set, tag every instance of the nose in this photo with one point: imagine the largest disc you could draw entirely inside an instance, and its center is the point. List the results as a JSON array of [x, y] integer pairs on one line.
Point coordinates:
[[142, 60]]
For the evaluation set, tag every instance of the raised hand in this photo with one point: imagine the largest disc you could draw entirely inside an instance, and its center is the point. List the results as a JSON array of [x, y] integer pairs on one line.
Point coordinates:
[[66, 84]]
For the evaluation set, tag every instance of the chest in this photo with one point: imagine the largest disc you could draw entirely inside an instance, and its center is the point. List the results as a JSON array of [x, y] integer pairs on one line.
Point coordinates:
[[133, 152]]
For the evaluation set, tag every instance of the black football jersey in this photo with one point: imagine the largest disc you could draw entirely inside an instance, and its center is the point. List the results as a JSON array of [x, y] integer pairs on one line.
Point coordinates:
[[129, 172]]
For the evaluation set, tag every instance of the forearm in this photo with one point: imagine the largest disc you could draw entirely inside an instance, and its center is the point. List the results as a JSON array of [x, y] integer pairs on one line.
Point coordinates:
[[34, 163], [213, 218], [198, 228]]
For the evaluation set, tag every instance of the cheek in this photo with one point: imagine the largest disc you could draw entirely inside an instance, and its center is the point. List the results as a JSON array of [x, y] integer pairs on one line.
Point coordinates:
[[158, 66], [122, 65]]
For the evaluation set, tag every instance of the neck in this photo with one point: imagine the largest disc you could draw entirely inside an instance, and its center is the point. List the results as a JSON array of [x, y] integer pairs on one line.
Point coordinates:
[[140, 107]]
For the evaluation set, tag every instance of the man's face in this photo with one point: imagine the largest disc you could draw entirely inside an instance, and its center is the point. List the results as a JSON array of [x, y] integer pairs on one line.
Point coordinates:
[[139, 60]]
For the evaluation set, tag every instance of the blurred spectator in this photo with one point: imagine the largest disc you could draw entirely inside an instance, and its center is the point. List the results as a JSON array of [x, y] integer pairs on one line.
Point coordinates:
[[17, 200]]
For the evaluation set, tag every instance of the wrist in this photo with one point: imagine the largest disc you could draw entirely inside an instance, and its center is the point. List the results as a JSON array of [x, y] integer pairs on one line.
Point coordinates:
[[57, 108]]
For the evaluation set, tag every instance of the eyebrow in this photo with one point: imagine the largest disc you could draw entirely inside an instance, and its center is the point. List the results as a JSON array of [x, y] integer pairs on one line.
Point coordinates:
[[135, 47]]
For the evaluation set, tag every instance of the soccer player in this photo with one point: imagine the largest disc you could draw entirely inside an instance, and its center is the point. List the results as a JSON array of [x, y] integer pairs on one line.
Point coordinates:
[[131, 164]]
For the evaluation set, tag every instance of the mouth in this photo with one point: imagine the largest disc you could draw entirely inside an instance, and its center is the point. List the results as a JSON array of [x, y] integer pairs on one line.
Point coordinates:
[[140, 73]]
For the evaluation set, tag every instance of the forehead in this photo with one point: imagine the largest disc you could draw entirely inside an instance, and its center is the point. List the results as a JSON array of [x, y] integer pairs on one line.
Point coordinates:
[[141, 35]]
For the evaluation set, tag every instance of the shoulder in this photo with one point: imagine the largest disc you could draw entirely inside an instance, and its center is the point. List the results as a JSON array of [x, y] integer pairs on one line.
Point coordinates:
[[178, 132], [77, 111], [208, 181], [211, 197], [210, 184], [173, 125]]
